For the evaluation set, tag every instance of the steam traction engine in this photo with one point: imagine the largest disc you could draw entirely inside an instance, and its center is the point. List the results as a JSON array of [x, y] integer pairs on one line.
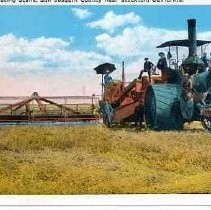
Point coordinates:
[[164, 101]]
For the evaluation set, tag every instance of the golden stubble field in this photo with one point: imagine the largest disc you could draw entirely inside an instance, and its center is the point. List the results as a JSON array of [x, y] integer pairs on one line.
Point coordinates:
[[97, 160]]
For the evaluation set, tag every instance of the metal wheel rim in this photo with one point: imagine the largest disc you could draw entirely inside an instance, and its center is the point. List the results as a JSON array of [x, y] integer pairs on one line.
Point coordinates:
[[206, 123]]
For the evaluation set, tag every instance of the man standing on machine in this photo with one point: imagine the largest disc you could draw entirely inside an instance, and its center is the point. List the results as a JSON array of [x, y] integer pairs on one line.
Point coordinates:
[[148, 66]]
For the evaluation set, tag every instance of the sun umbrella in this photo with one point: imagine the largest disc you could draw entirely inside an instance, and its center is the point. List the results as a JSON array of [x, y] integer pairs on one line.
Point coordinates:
[[102, 68]]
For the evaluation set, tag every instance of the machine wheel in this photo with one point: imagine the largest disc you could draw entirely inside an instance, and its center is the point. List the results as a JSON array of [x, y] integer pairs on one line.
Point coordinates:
[[162, 110], [206, 122]]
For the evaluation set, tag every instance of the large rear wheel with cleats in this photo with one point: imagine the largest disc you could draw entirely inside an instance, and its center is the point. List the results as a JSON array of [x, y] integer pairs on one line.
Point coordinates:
[[162, 110]]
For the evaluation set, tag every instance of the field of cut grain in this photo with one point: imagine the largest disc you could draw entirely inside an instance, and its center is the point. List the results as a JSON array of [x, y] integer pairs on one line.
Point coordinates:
[[97, 160]]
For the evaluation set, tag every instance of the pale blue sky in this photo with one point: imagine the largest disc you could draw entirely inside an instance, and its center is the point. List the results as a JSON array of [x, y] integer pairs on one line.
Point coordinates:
[[59, 21], [62, 44]]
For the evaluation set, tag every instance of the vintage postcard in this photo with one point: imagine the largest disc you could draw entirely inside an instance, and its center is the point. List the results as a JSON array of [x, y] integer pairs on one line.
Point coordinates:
[[105, 104]]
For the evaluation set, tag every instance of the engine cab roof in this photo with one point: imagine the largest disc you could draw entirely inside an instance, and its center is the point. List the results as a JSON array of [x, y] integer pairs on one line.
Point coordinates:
[[182, 43]]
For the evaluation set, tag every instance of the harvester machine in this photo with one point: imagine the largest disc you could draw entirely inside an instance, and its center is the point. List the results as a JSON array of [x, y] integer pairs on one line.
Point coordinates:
[[165, 101]]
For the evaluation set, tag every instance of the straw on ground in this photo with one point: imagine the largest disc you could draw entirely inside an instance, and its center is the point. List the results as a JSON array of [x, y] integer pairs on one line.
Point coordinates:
[[95, 160]]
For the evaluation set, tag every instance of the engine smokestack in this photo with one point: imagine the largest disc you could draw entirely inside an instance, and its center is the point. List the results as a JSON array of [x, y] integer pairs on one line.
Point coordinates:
[[192, 64], [192, 37]]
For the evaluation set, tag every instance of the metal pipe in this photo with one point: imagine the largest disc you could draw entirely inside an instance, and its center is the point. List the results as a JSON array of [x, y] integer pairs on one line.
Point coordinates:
[[192, 37], [169, 58], [123, 74], [102, 87], [177, 52]]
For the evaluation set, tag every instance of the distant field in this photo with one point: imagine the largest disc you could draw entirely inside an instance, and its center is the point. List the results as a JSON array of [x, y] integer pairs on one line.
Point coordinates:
[[95, 160]]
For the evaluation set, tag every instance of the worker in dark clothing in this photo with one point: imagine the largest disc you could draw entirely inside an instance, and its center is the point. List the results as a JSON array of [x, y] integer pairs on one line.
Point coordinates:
[[162, 66], [162, 62], [148, 66]]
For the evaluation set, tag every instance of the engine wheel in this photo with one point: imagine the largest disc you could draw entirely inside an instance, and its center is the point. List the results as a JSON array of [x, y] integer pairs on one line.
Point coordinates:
[[206, 122], [161, 107]]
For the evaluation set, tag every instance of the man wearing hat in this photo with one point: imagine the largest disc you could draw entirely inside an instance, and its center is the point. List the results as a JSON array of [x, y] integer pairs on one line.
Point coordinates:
[[148, 65], [107, 78], [162, 62]]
